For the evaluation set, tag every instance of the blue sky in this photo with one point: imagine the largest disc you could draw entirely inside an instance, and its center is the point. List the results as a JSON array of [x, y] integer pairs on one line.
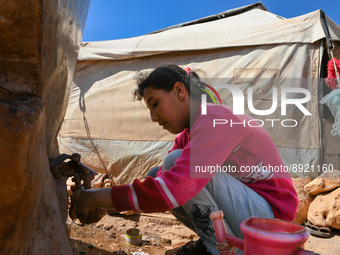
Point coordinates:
[[118, 19]]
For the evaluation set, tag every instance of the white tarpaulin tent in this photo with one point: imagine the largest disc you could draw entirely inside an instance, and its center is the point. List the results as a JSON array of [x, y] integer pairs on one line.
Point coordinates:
[[248, 46]]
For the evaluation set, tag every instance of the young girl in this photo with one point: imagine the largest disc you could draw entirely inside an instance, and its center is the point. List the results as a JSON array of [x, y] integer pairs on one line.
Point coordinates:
[[173, 97]]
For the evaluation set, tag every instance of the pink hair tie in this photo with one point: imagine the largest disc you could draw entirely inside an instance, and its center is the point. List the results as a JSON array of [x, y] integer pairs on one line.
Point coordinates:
[[188, 69]]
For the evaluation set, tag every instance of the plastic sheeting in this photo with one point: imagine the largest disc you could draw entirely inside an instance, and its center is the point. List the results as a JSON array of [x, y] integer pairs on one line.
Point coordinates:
[[124, 161], [332, 100]]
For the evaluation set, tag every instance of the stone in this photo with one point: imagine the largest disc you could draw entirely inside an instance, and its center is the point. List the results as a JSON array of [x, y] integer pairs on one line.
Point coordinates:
[[325, 210], [98, 181], [127, 212], [69, 184], [62, 195], [305, 199], [39, 48], [107, 185], [30, 215], [68, 230], [323, 183], [108, 181]]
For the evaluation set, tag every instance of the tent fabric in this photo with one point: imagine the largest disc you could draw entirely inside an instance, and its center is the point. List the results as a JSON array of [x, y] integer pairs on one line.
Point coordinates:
[[107, 98], [254, 49], [265, 28], [124, 161], [220, 15]]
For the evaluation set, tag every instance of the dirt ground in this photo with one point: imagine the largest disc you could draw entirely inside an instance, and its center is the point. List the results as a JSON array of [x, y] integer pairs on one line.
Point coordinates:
[[161, 234]]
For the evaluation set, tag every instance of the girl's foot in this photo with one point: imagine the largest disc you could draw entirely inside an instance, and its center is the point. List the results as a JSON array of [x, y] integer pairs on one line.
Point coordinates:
[[191, 248]]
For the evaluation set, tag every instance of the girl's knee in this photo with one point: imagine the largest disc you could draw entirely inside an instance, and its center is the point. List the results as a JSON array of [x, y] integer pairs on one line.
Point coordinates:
[[169, 161], [152, 172]]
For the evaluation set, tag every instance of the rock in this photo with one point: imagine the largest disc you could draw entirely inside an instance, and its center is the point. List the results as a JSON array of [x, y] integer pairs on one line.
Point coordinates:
[[323, 183], [304, 198], [98, 181], [127, 212], [39, 50], [120, 252], [108, 183], [30, 218], [68, 230], [108, 227], [62, 195], [101, 181], [325, 210], [69, 184]]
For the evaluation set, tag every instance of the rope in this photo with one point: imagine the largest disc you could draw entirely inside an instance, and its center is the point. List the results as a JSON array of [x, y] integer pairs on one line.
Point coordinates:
[[87, 128]]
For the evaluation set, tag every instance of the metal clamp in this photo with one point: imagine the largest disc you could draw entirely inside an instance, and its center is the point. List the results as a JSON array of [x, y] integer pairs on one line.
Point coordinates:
[[73, 168]]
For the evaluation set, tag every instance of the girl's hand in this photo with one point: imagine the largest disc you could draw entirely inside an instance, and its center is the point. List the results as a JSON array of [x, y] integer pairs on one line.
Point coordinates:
[[84, 208]]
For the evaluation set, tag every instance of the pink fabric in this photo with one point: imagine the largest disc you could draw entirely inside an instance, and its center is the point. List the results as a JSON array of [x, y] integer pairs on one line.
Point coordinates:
[[331, 77], [209, 146]]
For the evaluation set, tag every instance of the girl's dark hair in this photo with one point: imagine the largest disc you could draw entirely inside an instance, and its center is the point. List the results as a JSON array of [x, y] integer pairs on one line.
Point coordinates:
[[165, 77]]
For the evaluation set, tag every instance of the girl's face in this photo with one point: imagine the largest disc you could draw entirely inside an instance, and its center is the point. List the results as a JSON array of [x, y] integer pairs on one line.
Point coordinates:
[[170, 109]]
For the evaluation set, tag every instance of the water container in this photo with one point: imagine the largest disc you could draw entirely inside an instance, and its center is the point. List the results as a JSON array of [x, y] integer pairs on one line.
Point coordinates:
[[264, 236]]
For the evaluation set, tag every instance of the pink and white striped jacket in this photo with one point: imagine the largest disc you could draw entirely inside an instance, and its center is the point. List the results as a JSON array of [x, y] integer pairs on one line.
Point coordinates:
[[237, 146]]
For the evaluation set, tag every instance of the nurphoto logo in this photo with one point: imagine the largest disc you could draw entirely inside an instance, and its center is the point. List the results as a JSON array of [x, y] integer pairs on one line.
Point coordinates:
[[239, 102]]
